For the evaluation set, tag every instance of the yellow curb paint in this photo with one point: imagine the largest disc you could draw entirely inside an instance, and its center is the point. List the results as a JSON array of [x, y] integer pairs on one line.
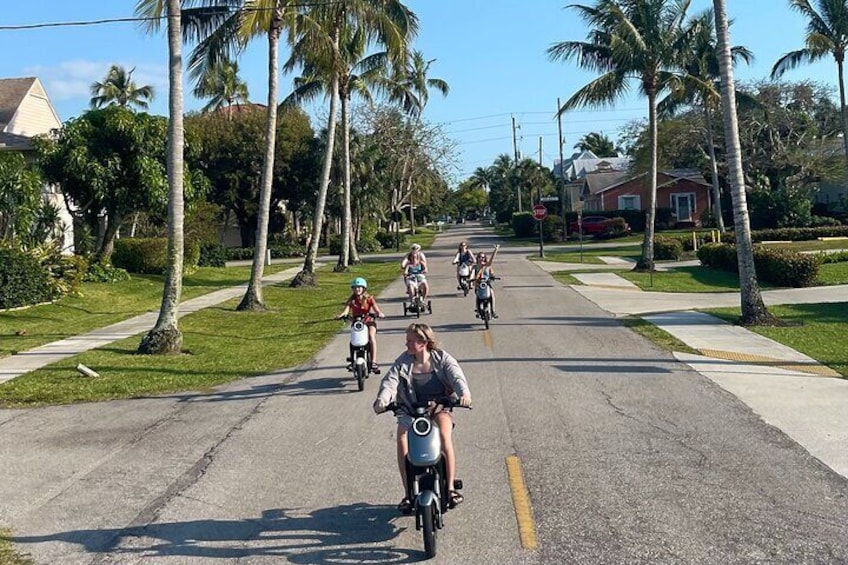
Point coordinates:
[[521, 502], [810, 368]]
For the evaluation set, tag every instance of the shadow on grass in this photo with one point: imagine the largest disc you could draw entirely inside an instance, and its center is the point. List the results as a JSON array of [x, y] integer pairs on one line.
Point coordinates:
[[342, 534]]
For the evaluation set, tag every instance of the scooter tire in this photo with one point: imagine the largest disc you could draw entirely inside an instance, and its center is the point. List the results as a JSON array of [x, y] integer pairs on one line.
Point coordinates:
[[485, 315], [359, 372], [429, 307], [428, 529]]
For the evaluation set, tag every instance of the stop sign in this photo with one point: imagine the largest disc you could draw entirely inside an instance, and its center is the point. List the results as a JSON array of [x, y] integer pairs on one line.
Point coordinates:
[[539, 211]]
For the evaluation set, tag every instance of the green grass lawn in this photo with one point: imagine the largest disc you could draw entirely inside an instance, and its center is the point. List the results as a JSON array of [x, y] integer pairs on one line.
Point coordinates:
[[590, 255], [817, 330], [809, 245], [220, 345], [102, 304], [686, 279], [834, 273], [7, 555]]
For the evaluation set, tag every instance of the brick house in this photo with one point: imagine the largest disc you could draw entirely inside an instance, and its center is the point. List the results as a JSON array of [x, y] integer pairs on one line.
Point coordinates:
[[685, 191], [25, 112]]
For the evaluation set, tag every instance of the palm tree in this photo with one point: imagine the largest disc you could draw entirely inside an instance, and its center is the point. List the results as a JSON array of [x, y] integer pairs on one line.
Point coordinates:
[[328, 47], [230, 25], [118, 88], [702, 63], [598, 143], [223, 86], [752, 305], [827, 34], [630, 39], [166, 337]]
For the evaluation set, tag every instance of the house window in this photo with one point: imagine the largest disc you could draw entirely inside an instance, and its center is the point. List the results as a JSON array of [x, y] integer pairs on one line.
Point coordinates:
[[629, 202], [683, 205]]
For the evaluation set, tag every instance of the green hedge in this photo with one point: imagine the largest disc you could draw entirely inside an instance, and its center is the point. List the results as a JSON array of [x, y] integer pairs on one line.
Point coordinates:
[[23, 280], [523, 224], [278, 251], [780, 267], [150, 255], [668, 248], [791, 234]]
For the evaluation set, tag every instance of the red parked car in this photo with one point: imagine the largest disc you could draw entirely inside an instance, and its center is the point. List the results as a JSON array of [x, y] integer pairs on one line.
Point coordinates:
[[594, 225]]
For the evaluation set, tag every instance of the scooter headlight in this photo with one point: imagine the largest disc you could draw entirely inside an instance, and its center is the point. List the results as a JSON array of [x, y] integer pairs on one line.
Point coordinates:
[[421, 427]]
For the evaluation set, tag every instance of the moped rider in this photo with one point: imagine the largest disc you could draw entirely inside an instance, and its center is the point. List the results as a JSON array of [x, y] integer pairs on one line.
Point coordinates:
[[363, 304], [425, 372], [484, 272], [464, 256], [415, 271]]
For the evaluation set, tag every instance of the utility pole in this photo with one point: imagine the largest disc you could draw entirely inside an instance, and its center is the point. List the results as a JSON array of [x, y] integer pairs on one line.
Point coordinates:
[[539, 193], [515, 152], [561, 173]]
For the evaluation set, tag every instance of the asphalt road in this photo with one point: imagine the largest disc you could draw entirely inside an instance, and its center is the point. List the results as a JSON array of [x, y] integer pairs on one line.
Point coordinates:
[[629, 456]]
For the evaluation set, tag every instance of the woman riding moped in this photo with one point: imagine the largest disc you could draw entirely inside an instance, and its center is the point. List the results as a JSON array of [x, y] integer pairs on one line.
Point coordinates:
[[483, 272], [424, 372], [414, 271], [464, 256], [363, 304]]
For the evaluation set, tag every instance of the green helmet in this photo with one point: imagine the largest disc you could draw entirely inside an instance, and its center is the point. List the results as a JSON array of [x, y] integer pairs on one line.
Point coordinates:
[[359, 281]]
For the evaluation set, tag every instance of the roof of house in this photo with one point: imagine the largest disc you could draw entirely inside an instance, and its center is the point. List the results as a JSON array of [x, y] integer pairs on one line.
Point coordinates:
[[603, 181], [585, 162], [599, 181], [14, 142], [12, 93]]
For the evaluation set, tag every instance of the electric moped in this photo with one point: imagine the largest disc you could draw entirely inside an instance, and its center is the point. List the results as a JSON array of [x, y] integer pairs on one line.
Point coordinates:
[[426, 472], [416, 304], [464, 278], [360, 362], [483, 293]]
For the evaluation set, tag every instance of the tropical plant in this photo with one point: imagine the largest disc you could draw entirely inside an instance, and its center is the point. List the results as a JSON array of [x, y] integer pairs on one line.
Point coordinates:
[[409, 85], [702, 62], [119, 88], [827, 34], [20, 196], [752, 305], [166, 337], [599, 144], [641, 40], [223, 86]]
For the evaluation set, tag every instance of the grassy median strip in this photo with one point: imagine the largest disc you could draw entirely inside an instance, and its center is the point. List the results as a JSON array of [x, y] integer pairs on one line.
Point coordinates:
[[101, 304], [660, 337], [816, 330], [221, 345]]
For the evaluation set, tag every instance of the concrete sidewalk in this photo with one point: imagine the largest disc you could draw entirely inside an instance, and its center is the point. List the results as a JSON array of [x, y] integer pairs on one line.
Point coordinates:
[[787, 389]]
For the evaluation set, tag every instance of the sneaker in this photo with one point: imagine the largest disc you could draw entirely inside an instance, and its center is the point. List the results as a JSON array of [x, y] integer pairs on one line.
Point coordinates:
[[494, 315]]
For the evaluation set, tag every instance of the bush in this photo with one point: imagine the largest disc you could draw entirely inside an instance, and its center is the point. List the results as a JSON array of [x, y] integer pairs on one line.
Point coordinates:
[[212, 256], [368, 244], [23, 280], [98, 272], [150, 255], [668, 248], [387, 239], [614, 227], [838, 257], [780, 267], [523, 224]]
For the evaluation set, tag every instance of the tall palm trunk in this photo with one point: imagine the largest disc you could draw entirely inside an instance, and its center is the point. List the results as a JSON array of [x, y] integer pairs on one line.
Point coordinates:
[[708, 117], [647, 260], [165, 337], [306, 277], [252, 299], [840, 67], [753, 309], [344, 255]]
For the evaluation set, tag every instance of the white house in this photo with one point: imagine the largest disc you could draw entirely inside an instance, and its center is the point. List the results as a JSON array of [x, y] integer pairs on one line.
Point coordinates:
[[25, 112]]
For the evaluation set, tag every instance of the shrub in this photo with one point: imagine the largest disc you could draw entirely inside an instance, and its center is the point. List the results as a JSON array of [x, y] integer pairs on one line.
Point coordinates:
[[614, 227], [214, 255], [150, 255], [552, 228], [387, 239], [98, 272], [781, 267], [838, 257], [23, 280], [368, 244], [668, 248], [523, 224]]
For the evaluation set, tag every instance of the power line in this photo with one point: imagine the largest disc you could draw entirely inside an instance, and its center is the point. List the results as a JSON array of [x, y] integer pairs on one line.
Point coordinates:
[[79, 23]]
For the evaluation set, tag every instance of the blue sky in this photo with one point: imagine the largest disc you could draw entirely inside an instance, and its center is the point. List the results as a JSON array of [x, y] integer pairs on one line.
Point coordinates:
[[491, 52]]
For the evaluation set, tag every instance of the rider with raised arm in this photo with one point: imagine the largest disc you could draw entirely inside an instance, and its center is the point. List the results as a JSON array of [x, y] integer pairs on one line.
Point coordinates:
[[464, 256], [424, 372], [414, 271], [363, 304], [483, 272]]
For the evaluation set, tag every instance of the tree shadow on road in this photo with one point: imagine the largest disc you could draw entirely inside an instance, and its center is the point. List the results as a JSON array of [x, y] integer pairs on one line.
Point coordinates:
[[340, 534]]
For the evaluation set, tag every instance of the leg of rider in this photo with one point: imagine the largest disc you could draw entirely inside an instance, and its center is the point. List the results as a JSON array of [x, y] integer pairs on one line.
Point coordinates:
[[445, 423], [493, 302], [372, 343], [402, 449], [425, 289]]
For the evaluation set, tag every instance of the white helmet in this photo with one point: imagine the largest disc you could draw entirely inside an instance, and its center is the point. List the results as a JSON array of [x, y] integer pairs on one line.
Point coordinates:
[[415, 247]]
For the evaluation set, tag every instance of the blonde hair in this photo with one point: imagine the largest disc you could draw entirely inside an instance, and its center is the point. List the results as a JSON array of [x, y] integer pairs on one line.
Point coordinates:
[[425, 332]]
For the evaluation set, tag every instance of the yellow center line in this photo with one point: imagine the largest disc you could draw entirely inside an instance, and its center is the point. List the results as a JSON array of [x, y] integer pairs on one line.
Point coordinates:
[[487, 339], [521, 502]]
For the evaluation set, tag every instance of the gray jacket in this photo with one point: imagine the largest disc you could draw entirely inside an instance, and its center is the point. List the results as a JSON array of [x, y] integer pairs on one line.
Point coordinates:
[[397, 383]]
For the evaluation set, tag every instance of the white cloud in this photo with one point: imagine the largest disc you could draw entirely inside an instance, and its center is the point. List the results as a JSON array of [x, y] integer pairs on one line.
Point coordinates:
[[72, 80]]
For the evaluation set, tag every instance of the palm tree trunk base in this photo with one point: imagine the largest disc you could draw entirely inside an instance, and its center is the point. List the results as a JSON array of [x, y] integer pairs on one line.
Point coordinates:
[[762, 318], [251, 303], [340, 268], [303, 278], [166, 341], [643, 266]]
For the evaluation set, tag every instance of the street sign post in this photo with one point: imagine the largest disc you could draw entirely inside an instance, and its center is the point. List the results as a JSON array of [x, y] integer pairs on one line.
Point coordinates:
[[540, 213]]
